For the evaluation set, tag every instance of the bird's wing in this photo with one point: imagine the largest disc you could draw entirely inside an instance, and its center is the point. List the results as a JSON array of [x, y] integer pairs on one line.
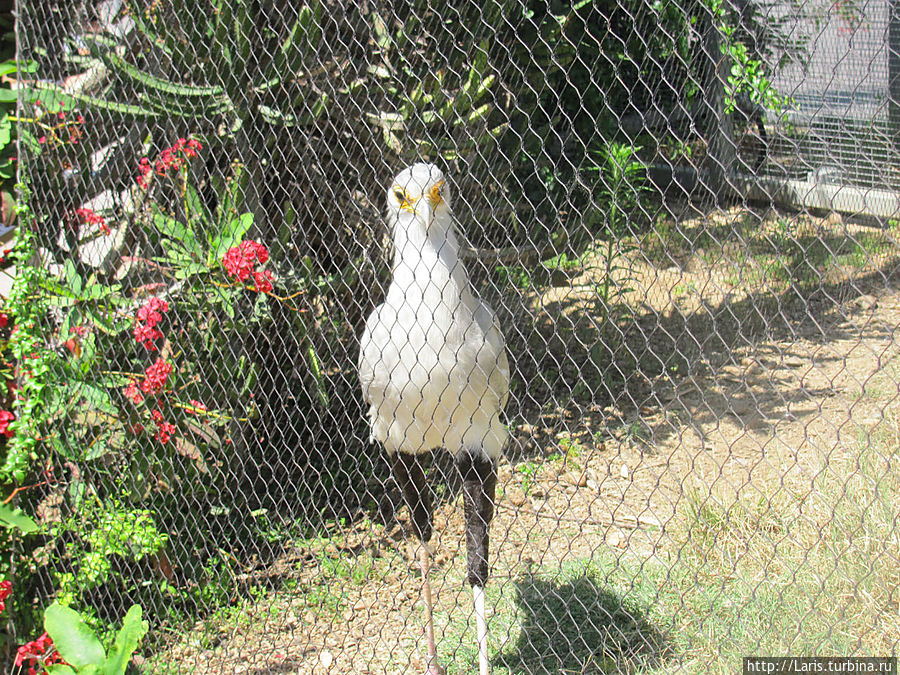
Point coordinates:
[[372, 372], [497, 362]]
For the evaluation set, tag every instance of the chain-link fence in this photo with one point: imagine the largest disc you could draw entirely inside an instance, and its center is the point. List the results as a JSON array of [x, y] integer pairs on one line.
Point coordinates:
[[682, 215]]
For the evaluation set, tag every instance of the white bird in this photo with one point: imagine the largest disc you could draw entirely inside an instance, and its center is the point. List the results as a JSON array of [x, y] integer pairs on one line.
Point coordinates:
[[434, 373]]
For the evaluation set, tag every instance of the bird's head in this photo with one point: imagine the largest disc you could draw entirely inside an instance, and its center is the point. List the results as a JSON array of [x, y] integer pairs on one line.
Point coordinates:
[[419, 192]]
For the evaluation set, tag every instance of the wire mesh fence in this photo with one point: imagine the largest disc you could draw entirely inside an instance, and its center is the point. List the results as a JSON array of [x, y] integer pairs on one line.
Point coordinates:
[[681, 219]]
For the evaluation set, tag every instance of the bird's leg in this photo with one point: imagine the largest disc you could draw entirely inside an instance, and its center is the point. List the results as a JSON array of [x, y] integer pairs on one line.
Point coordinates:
[[479, 476], [410, 474], [434, 668]]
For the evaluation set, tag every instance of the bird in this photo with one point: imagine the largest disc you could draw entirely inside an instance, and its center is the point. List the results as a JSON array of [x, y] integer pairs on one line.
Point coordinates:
[[435, 374]]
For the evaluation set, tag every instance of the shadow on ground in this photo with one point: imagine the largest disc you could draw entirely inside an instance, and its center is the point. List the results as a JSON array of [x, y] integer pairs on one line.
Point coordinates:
[[580, 627]]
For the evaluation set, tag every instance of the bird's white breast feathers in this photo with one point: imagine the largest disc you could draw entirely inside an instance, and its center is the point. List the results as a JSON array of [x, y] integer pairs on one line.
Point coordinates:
[[433, 362]]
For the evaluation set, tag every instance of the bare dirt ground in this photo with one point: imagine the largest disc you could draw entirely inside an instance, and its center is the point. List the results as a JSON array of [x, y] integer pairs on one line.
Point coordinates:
[[767, 381]]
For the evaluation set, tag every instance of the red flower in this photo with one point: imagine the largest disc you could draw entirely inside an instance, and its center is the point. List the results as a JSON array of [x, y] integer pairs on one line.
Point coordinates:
[[155, 377], [146, 335], [131, 392], [5, 418], [144, 170], [4, 319], [38, 652], [5, 590], [157, 416], [263, 281], [236, 264], [88, 217], [240, 262], [164, 431], [170, 159], [151, 313]]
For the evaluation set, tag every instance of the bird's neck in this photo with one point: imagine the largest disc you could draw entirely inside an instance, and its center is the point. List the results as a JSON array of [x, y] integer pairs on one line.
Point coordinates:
[[427, 266]]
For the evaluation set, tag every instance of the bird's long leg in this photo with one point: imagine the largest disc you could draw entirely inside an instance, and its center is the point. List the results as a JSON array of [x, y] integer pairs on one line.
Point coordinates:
[[479, 476], [434, 668], [410, 475]]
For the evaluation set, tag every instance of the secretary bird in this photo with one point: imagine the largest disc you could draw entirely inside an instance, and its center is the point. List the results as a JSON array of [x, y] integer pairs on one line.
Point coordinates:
[[434, 373]]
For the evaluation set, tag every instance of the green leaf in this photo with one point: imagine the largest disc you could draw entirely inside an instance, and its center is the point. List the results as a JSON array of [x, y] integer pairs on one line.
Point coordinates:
[[190, 270], [97, 397], [315, 367], [74, 639], [105, 324], [99, 291], [120, 65], [73, 279], [53, 94], [179, 232], [62, 669], [195, 207], [10, 517], [5, 130], [127, 640], [230, 235]]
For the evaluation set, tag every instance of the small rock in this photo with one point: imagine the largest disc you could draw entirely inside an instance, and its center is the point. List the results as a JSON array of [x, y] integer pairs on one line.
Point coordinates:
[[326, 659], [866, 302], [792, 361], [617, 540], [579, 480], [624, 471], [516, 497]]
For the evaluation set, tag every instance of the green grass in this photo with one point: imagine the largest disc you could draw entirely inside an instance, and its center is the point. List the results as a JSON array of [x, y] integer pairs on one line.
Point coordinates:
[[785, 571]]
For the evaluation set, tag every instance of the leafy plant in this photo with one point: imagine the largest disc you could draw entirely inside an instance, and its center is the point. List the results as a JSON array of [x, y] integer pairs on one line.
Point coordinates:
[[749, 74], [622, 180], [81, 650]]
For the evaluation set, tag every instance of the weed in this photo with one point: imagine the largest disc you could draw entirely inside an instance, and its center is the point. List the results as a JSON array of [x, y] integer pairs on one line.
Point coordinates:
[[528, 471]]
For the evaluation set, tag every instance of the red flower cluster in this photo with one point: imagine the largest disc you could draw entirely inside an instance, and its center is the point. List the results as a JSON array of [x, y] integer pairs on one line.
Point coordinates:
[[151, 313], [5, 418], [5, 591], [240, 262], [38, 652], [131, 392], [164, 430], [170, 159], [88, 217], [4, 319], [155, 377]]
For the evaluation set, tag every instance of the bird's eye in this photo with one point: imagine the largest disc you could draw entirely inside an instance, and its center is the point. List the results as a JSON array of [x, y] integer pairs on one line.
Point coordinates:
[[400, 195]]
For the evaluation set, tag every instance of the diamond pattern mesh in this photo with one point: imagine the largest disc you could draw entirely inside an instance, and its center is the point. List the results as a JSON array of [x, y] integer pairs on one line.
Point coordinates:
[[684, 217]]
